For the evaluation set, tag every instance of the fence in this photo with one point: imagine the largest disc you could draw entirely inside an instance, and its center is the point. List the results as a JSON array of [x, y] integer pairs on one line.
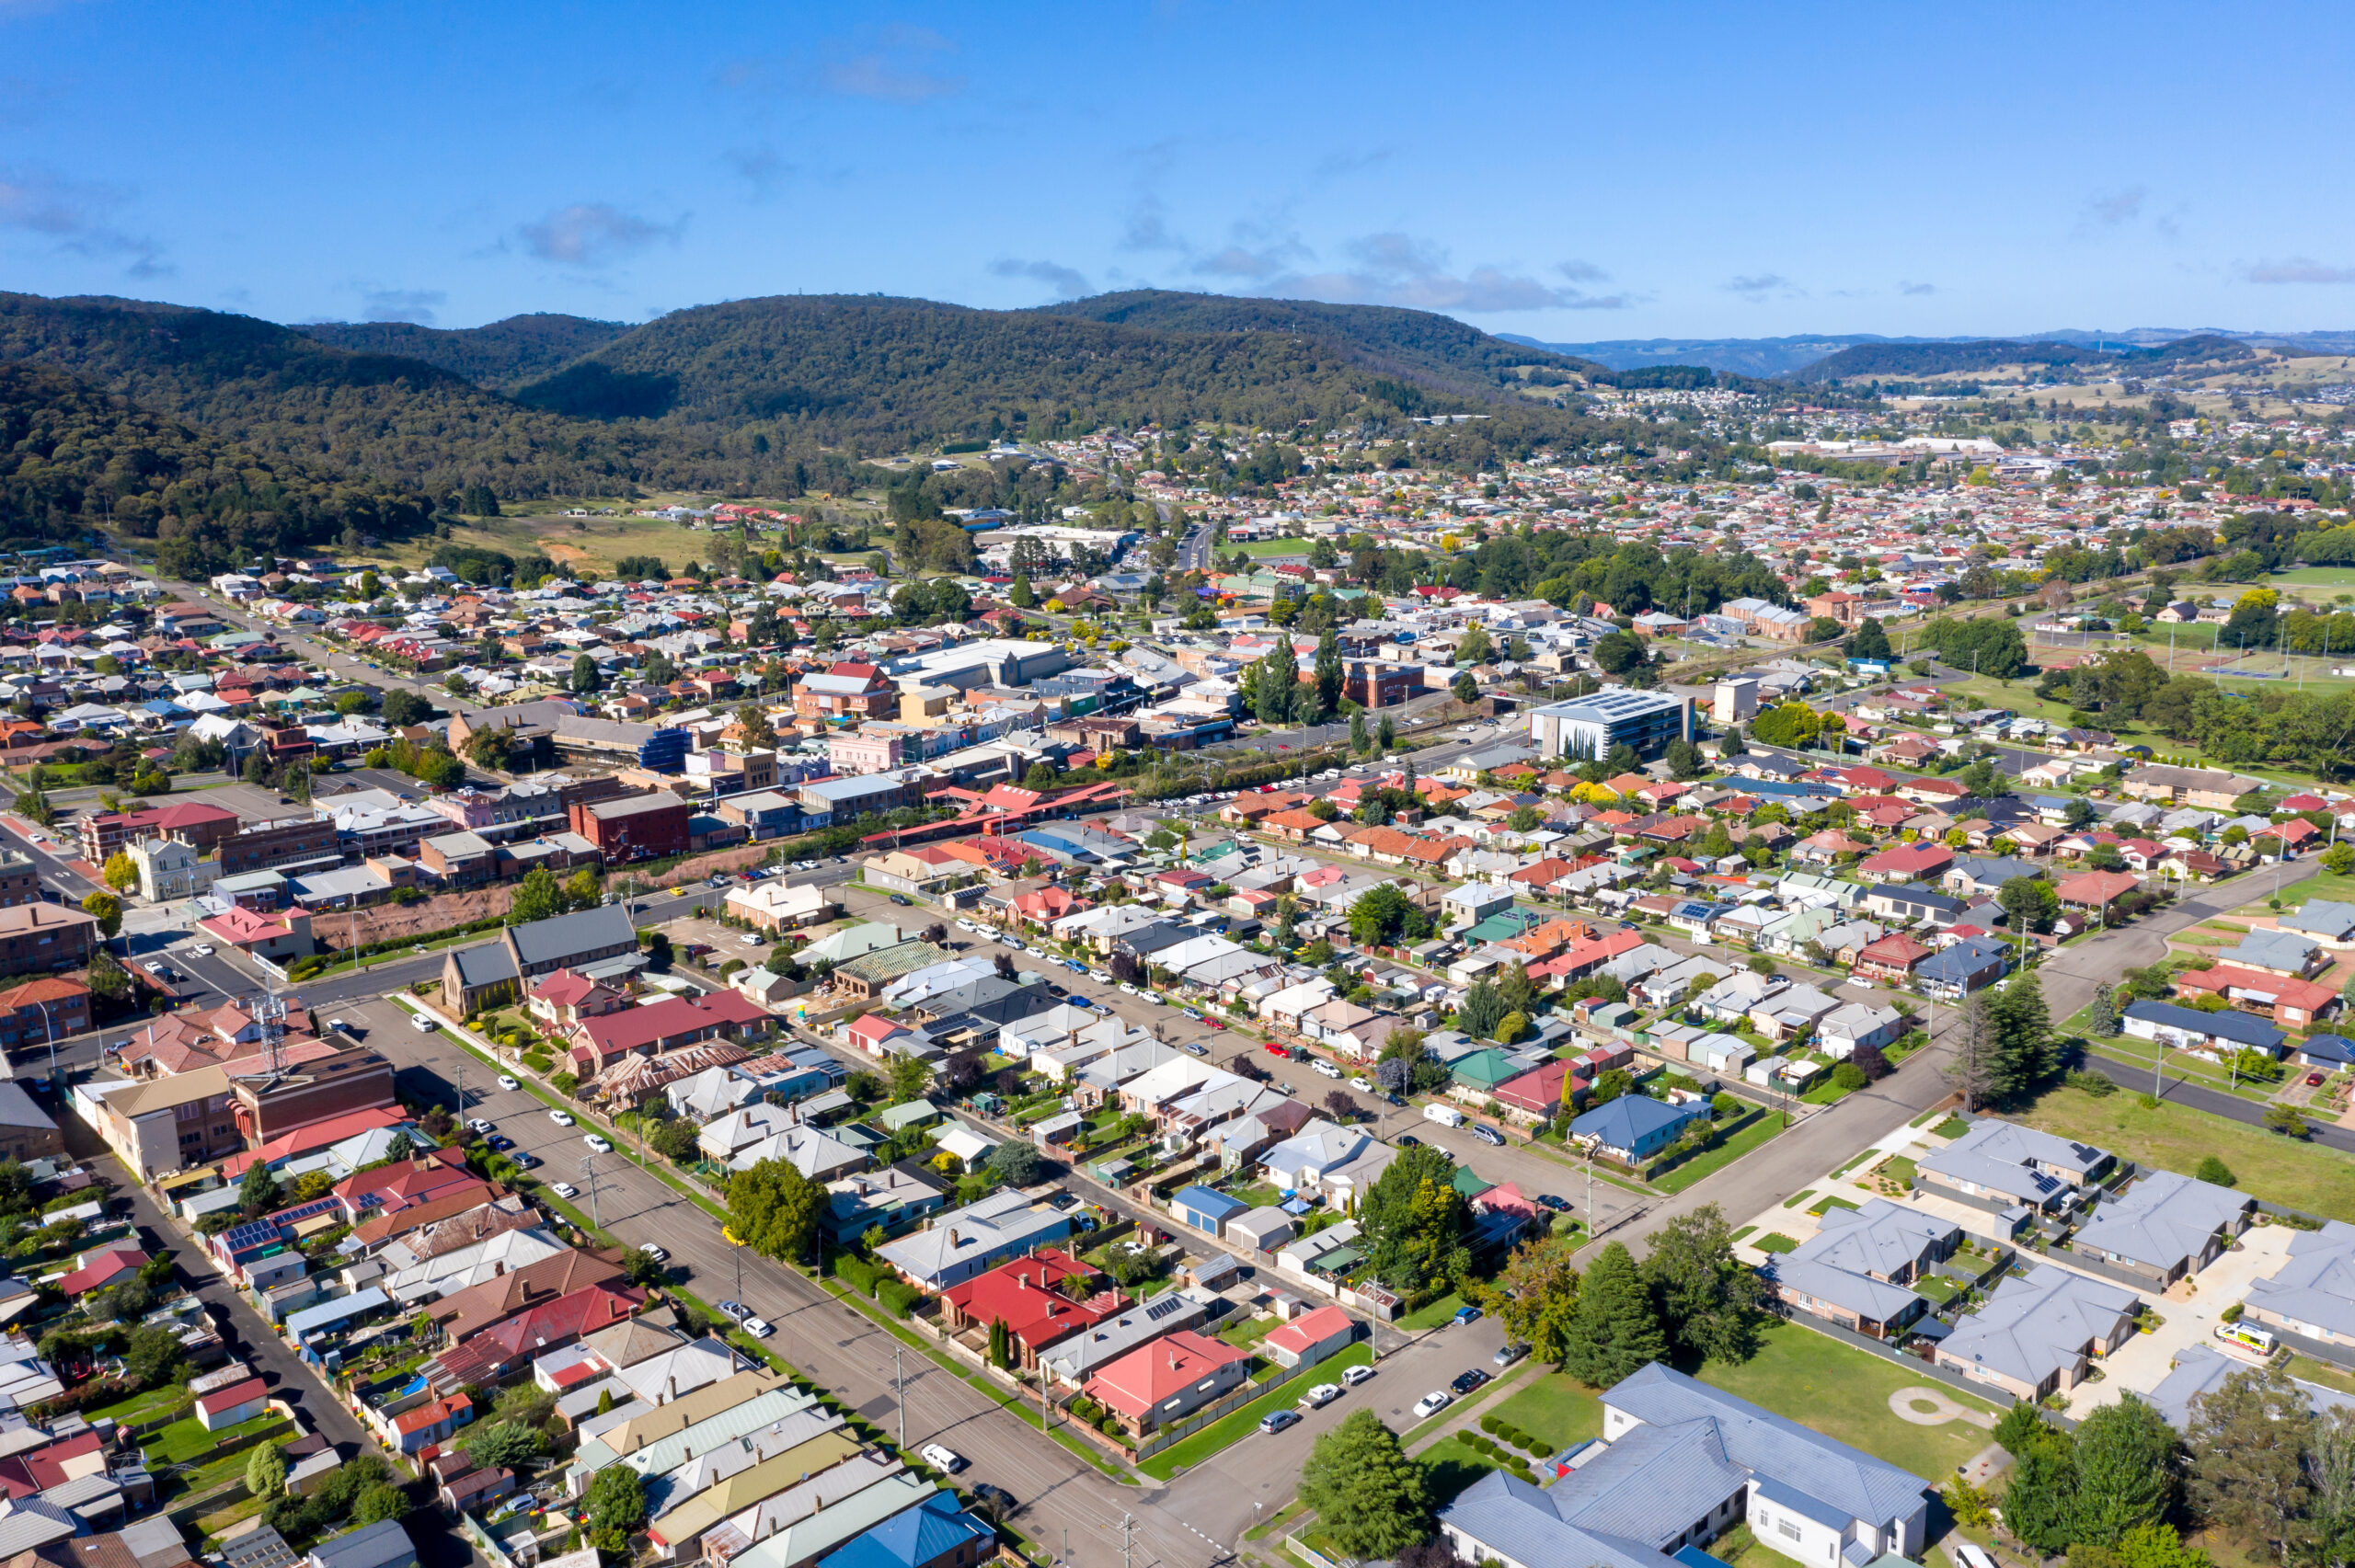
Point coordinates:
[[1218, 1409]]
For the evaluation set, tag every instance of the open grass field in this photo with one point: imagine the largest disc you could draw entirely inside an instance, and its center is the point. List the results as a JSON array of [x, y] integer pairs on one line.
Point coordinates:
[[2175, 1137], [2341, 577], [1556, 1407], [1258, 547], [1843, 1392], [2321, 884]]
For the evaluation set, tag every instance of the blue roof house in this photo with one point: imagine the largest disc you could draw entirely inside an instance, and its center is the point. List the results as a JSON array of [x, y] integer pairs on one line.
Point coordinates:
[[1205, 1209], [936, 1533], [1963, 968], [1636, 1127]]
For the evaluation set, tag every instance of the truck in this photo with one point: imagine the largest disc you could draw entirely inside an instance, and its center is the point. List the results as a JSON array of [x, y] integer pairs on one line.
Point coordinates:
[[1446, 1115]]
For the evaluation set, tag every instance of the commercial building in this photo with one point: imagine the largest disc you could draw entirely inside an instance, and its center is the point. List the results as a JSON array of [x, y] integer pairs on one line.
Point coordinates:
[[41, 938], [473, 977], [642, 827], [1590, 727]]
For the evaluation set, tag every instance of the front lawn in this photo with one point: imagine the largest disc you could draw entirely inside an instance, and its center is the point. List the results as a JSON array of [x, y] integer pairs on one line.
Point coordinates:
[[1556, 1407], [187, 1439], [2300, 1175], [1237, 1424], [1763, 1130], [1843, 1392], [1433, 1314], [1453, 1465]]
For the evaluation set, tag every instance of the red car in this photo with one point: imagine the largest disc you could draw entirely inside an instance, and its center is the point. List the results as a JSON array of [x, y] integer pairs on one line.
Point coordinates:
[[1274, 1049], [2314, 1079], [1215, 1023]]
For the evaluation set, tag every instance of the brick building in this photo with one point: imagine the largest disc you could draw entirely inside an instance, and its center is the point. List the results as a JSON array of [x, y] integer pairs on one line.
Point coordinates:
[[40, 1011], [42, 938], [307, 843], [643, 827], [20, 879], [846, 690], [191, 823]]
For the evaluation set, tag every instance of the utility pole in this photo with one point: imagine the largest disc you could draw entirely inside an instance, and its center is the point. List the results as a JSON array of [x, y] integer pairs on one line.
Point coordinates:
[[589, 1174], [1128, 1542], [900, 1396]]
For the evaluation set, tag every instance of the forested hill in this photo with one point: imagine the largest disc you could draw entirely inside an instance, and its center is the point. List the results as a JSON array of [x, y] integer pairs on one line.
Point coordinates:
[[383, 417], [73, 457], [502, 355], [767, 397], [1941, 359], [1383, 337], [881, 372]]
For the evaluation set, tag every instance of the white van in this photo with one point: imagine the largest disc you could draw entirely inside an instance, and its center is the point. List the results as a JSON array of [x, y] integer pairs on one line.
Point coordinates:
[[1446, 1115], [2249, 1336]]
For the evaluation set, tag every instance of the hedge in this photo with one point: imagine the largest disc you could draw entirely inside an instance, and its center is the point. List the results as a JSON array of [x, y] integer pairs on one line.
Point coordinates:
[[859, 1274], [897, 1297]]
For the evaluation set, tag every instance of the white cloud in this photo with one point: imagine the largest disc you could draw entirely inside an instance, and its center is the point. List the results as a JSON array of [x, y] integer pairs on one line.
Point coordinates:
[[2296, 269], [594, 234], [1066, 282]]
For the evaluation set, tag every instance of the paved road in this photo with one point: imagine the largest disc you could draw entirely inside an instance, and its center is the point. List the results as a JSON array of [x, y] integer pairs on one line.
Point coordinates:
[[326, 655]]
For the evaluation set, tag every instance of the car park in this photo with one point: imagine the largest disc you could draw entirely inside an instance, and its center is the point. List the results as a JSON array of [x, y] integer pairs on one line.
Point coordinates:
[[940, 1458], [1433, 1403], [1355, 1375], [597, 1144], [507, 1081], [1276, 1421]]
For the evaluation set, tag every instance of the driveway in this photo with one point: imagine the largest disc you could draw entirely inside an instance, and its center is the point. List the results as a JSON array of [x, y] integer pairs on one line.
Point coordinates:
[[2191, 1310]]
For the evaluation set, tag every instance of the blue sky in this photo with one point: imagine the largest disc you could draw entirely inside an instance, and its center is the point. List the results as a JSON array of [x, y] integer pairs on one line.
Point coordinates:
[[1572, 171]]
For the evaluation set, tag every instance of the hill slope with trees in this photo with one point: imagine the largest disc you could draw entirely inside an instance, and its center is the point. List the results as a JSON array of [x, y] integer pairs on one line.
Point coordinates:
[[73, 458], [502, 355]]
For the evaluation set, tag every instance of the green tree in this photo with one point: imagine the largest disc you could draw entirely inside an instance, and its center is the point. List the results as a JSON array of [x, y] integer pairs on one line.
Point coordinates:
[[1869, 641], [1467, 689], [1535, 1296], [2102, 1016], [1358, 741], [1707, 1298], [1328, 675], [1614, 1334], [2286, 1120], [537, 898], [1379, 916], [496, 1443], [2248, 1442], [1412, 1226], [1368, 1495], [2126, 1471], [259, 1192], [266, 1471], [2031, 901], [616, 1501], [1474, 648], [774, 1208], [2021, 1426], [378, 1503], [1481, 1010], [106, 978], [2339, 859], [119, 874], [759, 735], [2026, 1057], [1278, 682], [107, 910], [2038, 1505], [2215, 1172], [1385, 734]]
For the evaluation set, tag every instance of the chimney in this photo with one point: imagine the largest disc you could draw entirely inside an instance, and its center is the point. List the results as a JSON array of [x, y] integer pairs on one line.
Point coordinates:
[[498, 1269]]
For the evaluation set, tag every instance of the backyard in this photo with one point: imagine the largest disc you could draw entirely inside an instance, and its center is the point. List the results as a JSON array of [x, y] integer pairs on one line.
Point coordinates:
[[2175, 1137], [1843, 1392]]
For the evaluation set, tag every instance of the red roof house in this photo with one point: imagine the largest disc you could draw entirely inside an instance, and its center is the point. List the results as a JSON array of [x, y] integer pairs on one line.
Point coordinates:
[[1168, 1380], [108, 1265]]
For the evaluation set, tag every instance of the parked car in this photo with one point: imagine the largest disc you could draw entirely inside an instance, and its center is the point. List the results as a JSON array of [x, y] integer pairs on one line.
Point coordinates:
[[734, 1311], [1276, 1421], [940, 1458], [1355, 1375], [561, 1118], [995, 1500], [1362, 1083], [1195, 1048], [1465, 1381], [480, 1128], [508, 1082], [565, 1190], [656, 1254], [420, 1023], [1548, 1200], [500, 1141], [1321, 1395], [758, 1328], [1487, 1134], [1274, 1049], [1323, 1068], [597, 1144], [1508, 1354], [900, 900], [1408, 1140], [1467, 1315], [1433, 1403]]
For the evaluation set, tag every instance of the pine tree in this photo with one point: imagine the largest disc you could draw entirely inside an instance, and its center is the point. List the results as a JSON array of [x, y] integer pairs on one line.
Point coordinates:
[[1386, 733], [1328, 675], [2038, 1505], [2126, 1477], [1279, 693], [1369, 1497], [2102, 1018], [2025, 1055], [1615, 1333], [1358, 741]]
